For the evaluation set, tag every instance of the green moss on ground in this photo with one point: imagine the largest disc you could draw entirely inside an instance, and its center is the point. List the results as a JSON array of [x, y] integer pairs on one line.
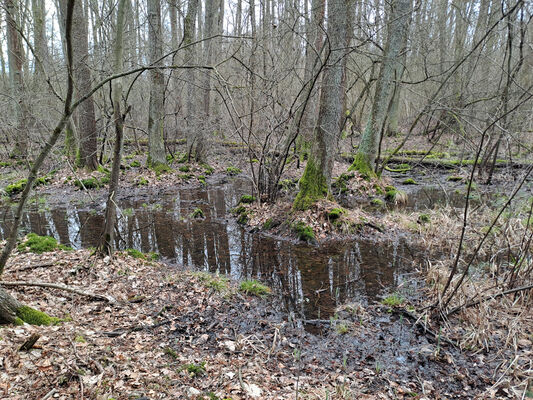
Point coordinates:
[[247, 199], [313, 187], [87, 183], [304, 232], [160, 169], [232, 171], [255, 288], [335, 213], [38, 244], [35, 317], [18, 186], [410, 181]]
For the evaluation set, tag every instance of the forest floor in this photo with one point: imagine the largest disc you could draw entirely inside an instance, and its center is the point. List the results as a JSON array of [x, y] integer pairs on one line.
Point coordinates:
[[179, 334], [176, 334]]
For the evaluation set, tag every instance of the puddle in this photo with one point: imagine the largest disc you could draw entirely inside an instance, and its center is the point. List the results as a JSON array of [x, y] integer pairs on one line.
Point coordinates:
[[311, 281]]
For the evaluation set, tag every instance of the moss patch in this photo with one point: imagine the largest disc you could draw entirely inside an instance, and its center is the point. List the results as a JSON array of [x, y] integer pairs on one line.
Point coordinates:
[[410, 181], [38, 244], [255, 288], [362, 165], [35, 317], [247, 199], [304, 232], [335, 213], [232, 171], [313, 187], [87, 183]]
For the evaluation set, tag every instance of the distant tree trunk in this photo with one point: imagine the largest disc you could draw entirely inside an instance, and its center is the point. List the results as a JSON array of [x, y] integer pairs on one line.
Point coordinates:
[[369, 146], [39, 39], [16, 76], [107, 245], [82, 76], [189, 27], [316, 179], [156, 113], [37, 163], [313, 45]]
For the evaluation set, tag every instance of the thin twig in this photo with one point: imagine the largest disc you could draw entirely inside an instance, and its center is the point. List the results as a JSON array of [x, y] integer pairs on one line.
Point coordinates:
[[71, 289]]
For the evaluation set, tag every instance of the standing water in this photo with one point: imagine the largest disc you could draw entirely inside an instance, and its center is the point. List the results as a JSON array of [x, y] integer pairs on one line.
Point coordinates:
[[310, 280]]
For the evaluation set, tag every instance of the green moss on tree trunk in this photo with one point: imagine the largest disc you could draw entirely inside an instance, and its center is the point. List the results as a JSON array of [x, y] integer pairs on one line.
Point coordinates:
[[35, 317], [361, 164], [313, 187]]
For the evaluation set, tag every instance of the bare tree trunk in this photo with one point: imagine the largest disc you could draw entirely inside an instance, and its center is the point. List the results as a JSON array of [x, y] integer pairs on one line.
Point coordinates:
[[107, 245], [36, 165], [189, 25], [39, 39], [16, 77], [316, 180], [156, 114], [368, 149], [82, 76], [8, 307]]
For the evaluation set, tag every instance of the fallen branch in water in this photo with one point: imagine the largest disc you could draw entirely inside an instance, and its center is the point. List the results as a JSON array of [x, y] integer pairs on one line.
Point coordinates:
[[70, 289]]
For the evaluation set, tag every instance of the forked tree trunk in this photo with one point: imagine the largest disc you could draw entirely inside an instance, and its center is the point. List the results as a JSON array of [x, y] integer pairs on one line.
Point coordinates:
[[107, 245]]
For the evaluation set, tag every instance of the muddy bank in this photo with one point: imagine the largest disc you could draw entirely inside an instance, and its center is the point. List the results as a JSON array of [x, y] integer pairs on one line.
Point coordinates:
[[178, 335]]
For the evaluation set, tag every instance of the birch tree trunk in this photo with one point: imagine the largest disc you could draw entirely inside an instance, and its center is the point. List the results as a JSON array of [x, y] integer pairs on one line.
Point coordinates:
[[156, 115]]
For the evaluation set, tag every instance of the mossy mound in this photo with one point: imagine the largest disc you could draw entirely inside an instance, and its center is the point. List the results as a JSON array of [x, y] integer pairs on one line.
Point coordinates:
[[232, 171], [18, 186], [40, 244], [335, 213], [87, 183]]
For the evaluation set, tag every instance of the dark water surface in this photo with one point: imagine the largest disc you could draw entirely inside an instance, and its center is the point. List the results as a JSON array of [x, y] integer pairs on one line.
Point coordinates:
[[310, 280]]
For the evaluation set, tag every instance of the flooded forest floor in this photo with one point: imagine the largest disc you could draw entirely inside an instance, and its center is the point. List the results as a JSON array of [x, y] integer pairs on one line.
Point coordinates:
[[345, 314]]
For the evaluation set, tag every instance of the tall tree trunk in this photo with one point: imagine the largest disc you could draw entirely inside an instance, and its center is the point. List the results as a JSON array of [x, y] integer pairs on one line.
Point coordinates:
[[37, 163], [107, 246], [15, 55], [82, 77], [316, 180], [369, 146], [39, 40], [156, 113], [189, 27]]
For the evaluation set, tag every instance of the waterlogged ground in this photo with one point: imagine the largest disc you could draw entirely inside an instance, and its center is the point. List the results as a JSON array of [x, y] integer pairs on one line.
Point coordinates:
[[311, 280], [298, 336]]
